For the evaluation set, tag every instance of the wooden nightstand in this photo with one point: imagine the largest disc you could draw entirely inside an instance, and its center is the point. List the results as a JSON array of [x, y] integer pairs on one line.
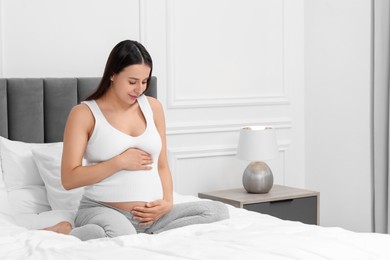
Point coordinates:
[[281, 201]]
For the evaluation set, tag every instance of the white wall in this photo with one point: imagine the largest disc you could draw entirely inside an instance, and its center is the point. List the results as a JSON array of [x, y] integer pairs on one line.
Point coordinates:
[[337, 109], [55, 38], [221, 65]]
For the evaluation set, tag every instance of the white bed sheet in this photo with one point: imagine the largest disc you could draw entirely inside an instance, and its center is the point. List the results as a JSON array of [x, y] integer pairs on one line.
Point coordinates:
[[246, 235]]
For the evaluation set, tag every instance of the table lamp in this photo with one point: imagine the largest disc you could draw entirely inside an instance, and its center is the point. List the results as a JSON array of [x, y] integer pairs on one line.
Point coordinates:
[[257, 144]]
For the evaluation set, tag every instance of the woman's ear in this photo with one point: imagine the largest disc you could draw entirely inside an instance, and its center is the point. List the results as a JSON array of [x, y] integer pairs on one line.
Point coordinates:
[[112, 77]]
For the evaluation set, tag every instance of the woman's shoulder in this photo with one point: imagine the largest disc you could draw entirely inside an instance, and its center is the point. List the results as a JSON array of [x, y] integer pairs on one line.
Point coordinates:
[[81, 110], [154, 103], [81, 117], [157, 109]]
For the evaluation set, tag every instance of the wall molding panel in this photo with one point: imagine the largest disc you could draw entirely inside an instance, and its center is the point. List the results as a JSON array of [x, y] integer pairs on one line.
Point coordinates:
[[178, 153], [228, 152], [143, 22], [233, 126], [176, 102], [270, 90]]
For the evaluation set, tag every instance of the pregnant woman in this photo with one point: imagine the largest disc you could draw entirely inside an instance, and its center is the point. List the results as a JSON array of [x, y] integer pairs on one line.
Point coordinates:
[[120, 132]]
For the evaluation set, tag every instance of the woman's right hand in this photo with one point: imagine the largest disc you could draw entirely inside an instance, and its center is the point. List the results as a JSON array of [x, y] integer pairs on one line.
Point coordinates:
[[135, 159]]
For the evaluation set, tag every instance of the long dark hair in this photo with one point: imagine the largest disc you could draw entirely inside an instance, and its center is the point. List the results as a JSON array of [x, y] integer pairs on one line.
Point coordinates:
[[124, 54]]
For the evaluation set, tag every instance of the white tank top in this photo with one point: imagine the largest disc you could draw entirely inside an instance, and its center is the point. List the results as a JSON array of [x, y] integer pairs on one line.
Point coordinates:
[[107, 142]]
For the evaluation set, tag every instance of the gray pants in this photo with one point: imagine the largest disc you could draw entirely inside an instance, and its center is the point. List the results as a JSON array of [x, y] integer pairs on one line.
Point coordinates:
[[95, 219]]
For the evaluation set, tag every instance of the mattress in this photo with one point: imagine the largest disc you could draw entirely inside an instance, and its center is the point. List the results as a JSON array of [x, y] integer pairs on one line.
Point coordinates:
[[245, 235]]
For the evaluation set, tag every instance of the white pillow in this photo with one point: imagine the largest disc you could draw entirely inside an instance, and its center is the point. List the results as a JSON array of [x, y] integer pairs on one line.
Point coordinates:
[[26, 191], [44, 219], [5, 220], [18, 164], [5, 207], [48, 161], [28, 200], [2, 185]]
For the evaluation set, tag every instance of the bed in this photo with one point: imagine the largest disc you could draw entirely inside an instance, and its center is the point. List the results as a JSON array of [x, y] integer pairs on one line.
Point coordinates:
[[33, 113]]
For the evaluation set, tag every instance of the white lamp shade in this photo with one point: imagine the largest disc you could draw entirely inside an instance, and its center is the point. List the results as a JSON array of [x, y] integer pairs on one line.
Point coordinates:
[[257, 144]]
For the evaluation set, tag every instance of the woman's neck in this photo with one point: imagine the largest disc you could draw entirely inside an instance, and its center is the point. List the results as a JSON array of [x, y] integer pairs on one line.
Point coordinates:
[[111, 101]]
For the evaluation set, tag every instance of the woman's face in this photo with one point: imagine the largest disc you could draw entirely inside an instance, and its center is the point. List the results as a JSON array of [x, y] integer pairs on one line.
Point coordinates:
[[131, 82]]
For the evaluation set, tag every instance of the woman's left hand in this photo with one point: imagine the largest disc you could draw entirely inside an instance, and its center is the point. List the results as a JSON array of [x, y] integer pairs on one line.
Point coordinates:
[[151, 212]]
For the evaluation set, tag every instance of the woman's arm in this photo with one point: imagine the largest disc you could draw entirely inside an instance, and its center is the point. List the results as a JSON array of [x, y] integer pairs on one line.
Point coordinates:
[[155, 209], [163, 167], [78, 129]]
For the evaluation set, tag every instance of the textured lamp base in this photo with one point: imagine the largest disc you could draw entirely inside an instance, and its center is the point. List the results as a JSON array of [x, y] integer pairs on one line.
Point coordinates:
[[257, 178]]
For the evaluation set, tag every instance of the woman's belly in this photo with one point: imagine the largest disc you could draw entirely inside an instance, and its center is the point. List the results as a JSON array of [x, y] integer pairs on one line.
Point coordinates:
[[126, 206], [127, 188]]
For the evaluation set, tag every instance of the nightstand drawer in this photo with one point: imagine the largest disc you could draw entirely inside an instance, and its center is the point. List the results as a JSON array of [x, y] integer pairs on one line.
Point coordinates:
[[298, 209]]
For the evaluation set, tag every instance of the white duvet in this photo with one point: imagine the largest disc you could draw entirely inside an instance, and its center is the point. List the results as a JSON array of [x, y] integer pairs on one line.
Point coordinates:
[[246, 235]]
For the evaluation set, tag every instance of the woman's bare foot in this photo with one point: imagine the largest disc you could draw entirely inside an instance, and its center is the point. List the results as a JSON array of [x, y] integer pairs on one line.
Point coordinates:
[[63, 227]]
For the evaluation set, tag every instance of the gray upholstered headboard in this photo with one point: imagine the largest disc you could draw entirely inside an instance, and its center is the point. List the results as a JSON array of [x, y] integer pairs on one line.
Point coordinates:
[[35, 110]]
